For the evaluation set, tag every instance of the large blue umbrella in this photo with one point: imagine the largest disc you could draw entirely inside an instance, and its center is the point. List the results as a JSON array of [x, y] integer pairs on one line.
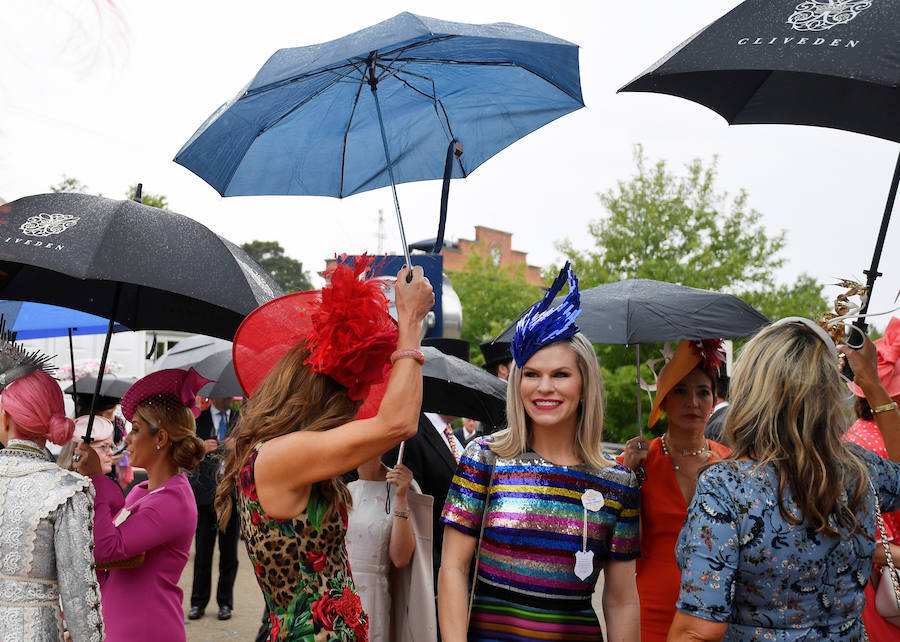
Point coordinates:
[[385, 105], [37, 320]]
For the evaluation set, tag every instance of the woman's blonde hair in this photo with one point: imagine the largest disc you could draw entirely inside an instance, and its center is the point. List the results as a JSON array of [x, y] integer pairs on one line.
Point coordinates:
[[789, 408], [291, 397], [187, 449], [589, 432]]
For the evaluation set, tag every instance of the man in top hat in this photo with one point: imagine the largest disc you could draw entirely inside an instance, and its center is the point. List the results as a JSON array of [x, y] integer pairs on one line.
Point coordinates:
[[214, 425], [497, 358]]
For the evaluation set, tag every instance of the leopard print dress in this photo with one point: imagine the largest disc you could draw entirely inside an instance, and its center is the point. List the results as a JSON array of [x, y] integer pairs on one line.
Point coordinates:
[[302, 567]]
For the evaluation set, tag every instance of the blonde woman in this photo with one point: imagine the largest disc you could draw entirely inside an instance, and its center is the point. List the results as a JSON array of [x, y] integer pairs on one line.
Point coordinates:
[[555, 510], [778, 539]]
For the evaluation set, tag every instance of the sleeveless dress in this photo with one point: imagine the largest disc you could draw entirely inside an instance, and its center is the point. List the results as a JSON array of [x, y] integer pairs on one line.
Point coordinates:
[[301, 567], [368, 541], [527, 588], [663, 511]]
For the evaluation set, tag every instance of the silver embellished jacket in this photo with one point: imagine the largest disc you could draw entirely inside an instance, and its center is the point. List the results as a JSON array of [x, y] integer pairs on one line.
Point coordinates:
[[46, 551]]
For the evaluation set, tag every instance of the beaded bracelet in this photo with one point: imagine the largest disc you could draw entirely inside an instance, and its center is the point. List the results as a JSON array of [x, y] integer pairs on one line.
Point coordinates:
[[418, 355], [401, 513], [884, 408]]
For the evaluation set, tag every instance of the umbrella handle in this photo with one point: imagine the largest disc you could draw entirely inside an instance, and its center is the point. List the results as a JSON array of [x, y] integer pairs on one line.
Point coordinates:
[[400, 453], [109, 331], [454, 151]]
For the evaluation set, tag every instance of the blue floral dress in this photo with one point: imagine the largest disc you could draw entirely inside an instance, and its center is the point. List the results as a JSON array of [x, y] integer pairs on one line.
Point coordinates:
[[741, 563]]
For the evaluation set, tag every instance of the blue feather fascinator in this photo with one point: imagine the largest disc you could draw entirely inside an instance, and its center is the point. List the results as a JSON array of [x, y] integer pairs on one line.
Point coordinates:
[[541, 326]]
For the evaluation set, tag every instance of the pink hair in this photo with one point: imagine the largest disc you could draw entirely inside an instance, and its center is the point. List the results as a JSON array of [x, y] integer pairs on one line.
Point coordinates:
[[35, 402]]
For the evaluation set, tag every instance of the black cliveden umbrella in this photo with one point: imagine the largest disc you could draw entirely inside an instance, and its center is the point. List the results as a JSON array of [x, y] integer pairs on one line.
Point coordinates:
[[458, 388], [140, 266], [804, 62], [210, 357]]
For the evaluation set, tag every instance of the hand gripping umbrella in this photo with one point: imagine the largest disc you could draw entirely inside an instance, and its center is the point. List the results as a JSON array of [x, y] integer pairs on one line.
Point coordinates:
[[808, 62], [381, 106], [637, 311], [140, 266]]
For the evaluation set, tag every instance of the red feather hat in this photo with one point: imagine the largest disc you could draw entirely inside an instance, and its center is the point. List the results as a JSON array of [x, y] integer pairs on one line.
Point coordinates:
[[346, 326], [709, 354]]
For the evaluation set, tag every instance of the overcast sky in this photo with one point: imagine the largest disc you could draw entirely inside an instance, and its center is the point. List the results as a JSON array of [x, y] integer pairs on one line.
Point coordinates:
[[109, 96]]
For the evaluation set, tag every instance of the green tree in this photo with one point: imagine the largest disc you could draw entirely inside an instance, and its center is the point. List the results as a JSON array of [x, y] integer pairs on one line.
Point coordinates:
[[287, 272], [492, 297], [679, 228], [69, 184]]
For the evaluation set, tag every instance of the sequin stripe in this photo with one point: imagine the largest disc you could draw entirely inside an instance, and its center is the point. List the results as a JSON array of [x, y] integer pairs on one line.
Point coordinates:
[[535, 553], [561, 479], [497, 621], [523, 576], [513, 504], [473, 489]]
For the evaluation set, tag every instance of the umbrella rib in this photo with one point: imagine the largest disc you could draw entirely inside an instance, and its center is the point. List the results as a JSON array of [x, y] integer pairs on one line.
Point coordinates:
[[346, 134], [292, 110], [485, 63]]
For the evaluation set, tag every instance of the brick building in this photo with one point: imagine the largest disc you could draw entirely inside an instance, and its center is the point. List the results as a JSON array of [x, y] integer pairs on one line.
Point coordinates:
[[496, 244]]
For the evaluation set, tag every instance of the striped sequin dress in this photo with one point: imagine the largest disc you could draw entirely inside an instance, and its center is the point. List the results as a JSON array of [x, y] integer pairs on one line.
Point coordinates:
[[527, 588]]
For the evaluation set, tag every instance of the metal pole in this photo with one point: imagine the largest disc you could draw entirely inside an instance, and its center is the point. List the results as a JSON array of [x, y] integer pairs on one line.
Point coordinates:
[[373, 85], [109, 331], [72, 361], [872, 273], [637, 356]]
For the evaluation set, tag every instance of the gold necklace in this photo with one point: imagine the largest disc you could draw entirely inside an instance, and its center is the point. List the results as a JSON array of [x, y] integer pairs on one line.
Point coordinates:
[[684, 453]]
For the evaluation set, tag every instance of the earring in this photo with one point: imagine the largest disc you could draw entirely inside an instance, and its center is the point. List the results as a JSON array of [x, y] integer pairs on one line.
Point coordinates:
[[157, 446]]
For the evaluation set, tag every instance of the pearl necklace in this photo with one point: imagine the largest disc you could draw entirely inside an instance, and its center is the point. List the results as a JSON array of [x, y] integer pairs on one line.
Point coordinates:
[[684, 453]]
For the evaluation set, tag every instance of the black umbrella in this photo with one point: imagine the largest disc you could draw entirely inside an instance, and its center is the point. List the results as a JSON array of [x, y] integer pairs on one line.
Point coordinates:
[[637, 311], [210, 357], [451, 386], [811, 62], [140, 266], [112, 386]]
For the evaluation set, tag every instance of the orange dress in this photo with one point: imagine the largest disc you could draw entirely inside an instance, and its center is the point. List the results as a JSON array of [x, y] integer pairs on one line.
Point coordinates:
[[663, 511]]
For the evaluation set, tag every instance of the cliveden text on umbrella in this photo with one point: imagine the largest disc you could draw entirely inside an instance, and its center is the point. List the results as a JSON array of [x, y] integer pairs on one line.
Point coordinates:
[[814, 42]]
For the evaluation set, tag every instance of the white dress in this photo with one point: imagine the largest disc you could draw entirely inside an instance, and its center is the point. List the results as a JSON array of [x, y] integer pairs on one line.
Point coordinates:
[[368, 538]]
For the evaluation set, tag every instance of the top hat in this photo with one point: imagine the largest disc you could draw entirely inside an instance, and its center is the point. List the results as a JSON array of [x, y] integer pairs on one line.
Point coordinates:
[[495, 352], [454, 347]]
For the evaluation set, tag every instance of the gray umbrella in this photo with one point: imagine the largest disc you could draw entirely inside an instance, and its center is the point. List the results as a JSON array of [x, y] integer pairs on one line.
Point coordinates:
[[112, 386], [451, 386], [637, 311], [210, 357]]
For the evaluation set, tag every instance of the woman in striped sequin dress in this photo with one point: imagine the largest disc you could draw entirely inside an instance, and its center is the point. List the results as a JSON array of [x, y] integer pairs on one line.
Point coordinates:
[[557, 510]]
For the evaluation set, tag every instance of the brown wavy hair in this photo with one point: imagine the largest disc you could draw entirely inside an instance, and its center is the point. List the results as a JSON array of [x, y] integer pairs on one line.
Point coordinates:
[[789, 408], [291, 397]]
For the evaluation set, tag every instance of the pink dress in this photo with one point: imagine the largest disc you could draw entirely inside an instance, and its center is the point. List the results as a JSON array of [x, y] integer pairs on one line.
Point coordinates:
[[161, 524], [865, 433]]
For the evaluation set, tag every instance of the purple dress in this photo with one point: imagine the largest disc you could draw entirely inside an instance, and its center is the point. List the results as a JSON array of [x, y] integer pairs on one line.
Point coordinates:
[[161, 524]]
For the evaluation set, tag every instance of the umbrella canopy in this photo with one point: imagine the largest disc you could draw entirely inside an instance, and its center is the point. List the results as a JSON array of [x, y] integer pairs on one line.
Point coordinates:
[[816, 62], [392, 103], [638, 311], [170, 272], [111, 386], [210, 357], [451, 386], [819, 62], [37, 320], [308, 124]]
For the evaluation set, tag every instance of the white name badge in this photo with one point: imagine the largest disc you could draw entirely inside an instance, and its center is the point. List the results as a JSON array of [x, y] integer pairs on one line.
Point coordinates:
[[584, 564], [592, 500]]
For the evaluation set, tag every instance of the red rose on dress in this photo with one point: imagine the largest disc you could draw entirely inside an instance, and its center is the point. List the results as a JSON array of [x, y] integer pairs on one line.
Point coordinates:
[[323, 611], [349, 606], [256, 517], [248, 488], [315, 561], [361, 632], [275, 623]]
